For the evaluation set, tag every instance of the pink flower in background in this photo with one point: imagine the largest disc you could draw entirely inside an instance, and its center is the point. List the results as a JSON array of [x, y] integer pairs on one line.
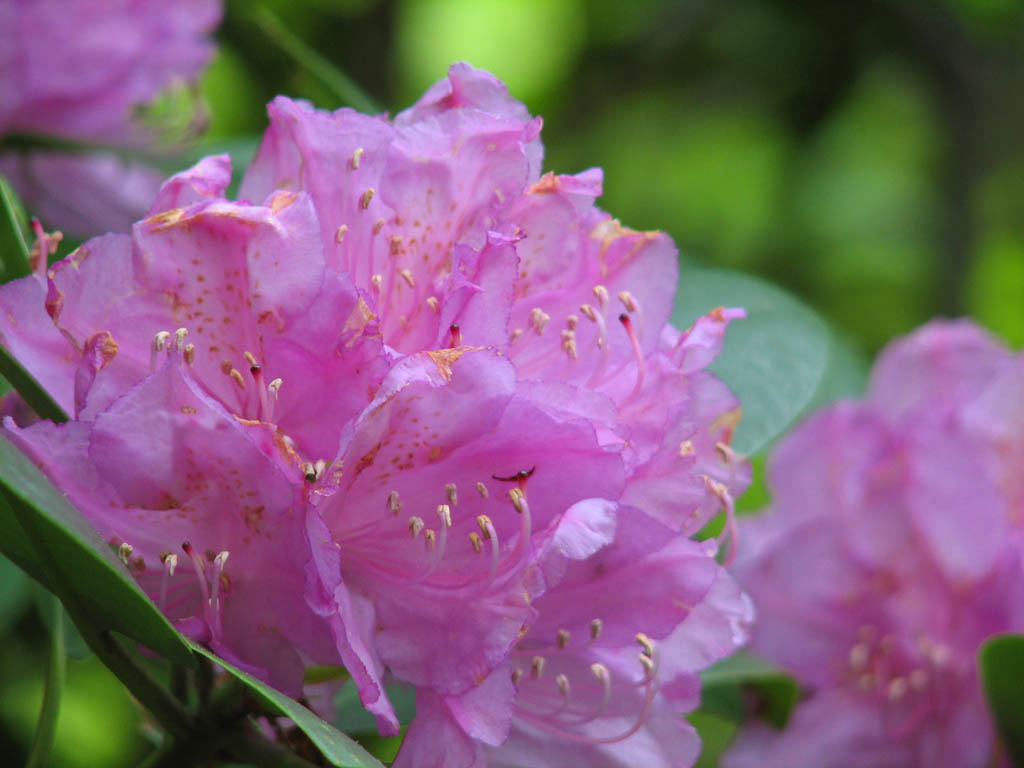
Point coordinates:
[[83, 70], [429, 404], [890, 553]]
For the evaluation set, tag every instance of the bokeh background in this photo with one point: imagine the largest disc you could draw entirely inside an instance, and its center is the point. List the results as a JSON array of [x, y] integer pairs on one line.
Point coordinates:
[[868, 156]]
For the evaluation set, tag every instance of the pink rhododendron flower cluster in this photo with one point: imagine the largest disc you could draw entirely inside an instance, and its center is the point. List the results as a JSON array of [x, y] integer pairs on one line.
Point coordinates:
[[892, 550], [416, 409], [81, 70]]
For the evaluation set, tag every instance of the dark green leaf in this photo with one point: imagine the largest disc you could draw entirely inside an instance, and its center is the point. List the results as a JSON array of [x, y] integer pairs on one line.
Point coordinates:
[[774, 361], [338, 748], [46, 726], [102, 584], [14, 594], [14, 239], [1001, 660]]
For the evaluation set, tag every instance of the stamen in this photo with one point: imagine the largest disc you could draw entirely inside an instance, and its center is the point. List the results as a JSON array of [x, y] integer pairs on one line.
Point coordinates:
[[482, 490], [514, 336], [569, 344], [251, 359], [571, 322], [596, 625], [730, 530], [406, 275], [367, 197], [236, 376], [444, 512], [396, 244], [588, 311], [197, 563], [189, 353], [602, 296], [429, 538], [339, 236], [320, 466], [434, 304], [539, 319], [628, 301], [179, 338], [637, 354], [218, 571], [686, 448], [516, 496], [393, 503], [536, 667], [378, 225], [474, 539], [124, 552], [897, 688], [646, 644], [563, 685], [377, 281], [309, 472], [416, 525], [860, 654], [170, 562], [563, 639], [159, 344], [274, 388], [356, 157], [517, 675], [485, 525]]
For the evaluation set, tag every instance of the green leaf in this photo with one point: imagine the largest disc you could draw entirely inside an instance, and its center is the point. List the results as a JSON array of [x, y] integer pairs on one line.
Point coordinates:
[[1001, 660], [338, 748], [101, 583], [30, 389], [352, 716], [774, 360], [46, 726], [743, 685], [14, 593], [14, 238]]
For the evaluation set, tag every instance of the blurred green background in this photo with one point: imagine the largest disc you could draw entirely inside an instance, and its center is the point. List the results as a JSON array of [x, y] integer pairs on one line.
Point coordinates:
[[868, 156]]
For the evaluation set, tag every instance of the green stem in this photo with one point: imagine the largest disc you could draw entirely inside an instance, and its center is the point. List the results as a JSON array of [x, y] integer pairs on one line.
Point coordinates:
[[340, 84], [46, 728]]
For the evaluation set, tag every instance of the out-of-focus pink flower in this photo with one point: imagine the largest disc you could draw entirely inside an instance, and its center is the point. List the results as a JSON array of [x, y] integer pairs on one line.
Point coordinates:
[[84, 70], [449, 387], [890, 553]]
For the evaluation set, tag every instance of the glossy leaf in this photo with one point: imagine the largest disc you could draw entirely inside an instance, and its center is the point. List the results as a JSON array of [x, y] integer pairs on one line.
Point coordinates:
[[102, 584], [1001, 660], [338, 748], [774, 360]]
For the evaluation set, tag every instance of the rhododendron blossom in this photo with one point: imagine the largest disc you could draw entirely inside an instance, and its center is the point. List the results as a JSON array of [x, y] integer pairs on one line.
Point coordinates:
[[416, 409], [891, 551], [84, 70]]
